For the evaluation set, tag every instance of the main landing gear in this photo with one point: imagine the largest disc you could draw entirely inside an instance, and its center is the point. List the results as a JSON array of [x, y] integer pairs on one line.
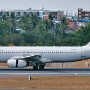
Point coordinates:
[[41, 67], [35, 67]]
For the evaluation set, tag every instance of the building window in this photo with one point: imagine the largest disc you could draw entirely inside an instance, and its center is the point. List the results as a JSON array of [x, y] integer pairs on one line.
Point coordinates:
[[19, 13], [7, 13], [37, 13], [79, 15], [86, 17], [86, 12], [25, 13], [83, 17], [83, 12], [79, 12], [0, 13]]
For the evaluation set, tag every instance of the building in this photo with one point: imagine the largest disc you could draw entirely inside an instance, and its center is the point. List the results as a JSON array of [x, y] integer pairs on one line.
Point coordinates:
[[72, 24], [20, 31], [41, 13], [83, 15]]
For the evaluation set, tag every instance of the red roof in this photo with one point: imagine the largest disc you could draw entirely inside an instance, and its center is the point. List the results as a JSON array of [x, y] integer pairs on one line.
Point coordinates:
[[71, 24]]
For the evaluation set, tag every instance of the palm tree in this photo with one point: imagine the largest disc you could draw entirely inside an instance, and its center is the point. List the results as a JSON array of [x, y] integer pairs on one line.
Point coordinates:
[[12, 22], [63, 26], [50, 20], [23, 22], [4, 18], [34, 19]]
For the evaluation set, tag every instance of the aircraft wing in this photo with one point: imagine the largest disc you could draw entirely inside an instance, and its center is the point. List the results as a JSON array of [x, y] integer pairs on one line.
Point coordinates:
[[29, 57], [36, 57]]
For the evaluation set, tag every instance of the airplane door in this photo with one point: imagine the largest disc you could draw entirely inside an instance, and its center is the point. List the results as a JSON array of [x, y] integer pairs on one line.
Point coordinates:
[[83, 52]]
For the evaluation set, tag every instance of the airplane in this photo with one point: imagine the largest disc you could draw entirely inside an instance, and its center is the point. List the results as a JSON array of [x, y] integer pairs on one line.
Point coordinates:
[[38, 56]]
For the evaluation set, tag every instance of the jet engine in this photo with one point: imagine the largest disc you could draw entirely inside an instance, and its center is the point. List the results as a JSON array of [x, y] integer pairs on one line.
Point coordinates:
[[16, 63]]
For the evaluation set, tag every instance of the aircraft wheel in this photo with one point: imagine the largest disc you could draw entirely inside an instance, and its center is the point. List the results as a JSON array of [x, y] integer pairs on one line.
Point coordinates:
[[41, 67], [35, 67]]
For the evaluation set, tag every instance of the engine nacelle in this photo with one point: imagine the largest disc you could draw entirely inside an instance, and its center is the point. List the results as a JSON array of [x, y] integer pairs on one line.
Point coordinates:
[[16, 63]]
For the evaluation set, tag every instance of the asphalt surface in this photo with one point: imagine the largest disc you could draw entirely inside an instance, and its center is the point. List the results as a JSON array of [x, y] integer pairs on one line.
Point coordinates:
[[8, 72]]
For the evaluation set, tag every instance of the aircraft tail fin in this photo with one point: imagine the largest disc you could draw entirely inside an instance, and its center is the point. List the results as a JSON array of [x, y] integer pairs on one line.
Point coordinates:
[[88, 44]]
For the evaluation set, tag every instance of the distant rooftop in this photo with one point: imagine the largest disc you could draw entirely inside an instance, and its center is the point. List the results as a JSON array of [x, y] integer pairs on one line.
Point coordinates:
[[29, 9]]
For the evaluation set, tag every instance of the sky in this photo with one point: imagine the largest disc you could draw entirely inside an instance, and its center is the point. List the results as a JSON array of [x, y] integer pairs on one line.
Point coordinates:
[[70, 5]]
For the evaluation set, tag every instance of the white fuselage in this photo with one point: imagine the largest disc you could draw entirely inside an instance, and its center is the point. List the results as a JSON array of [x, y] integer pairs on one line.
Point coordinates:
[[56, 54]]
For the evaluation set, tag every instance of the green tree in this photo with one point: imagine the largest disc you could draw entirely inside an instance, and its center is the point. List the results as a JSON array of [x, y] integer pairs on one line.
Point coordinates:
[[30, 37], [4, 28], [40, 28], [50, 20], [15, 39], [23, 22], [63, 26], [12, 23], [29, 22], [4, 18]]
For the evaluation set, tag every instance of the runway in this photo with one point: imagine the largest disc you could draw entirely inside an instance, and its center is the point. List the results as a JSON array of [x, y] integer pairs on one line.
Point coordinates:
[[5, 72]]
